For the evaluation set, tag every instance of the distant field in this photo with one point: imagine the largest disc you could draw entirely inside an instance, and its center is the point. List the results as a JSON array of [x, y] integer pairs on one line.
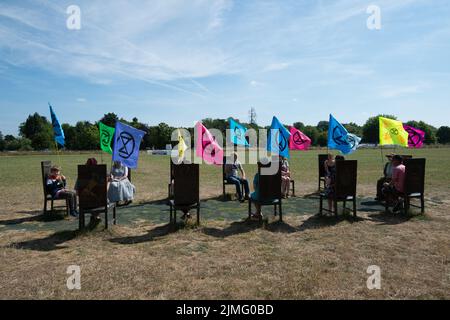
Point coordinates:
[[304, 257], [21, 174]]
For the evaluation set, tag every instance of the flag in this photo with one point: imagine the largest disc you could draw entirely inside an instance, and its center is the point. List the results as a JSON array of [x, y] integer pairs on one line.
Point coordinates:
[[416, 137], [106, 136], [280, 142], [340, 139], [127, 141], [237, 133], [207, 147], [392, 133], [182, 147], [57, 129], [299, 140]]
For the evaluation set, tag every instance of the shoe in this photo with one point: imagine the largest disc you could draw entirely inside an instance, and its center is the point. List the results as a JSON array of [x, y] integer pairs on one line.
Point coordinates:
[[397, 207], [242, 200], [74, 214], [246, 197]]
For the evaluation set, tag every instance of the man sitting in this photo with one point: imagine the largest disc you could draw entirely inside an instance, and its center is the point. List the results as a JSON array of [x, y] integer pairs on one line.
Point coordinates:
[[393, 189], [232, 176], [56, 186], [387, 177]]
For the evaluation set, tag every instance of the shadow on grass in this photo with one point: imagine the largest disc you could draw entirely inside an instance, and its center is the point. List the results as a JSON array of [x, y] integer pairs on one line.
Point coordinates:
[[151, 235], [387, 218], [48, 217], [49, 243], [324, 221], [235, 228]]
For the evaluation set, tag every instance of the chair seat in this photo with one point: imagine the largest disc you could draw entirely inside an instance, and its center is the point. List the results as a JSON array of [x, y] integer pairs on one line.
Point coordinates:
[[99, 209], [183, 206], [267, 203]]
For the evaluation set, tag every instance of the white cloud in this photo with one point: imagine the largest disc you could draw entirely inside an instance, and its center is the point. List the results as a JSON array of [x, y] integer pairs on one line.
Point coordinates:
[[401, 90], [81, 100], [256, 84]]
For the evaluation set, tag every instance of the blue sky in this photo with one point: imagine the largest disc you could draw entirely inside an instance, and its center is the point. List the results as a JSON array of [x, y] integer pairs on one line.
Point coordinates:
[[181, 61]]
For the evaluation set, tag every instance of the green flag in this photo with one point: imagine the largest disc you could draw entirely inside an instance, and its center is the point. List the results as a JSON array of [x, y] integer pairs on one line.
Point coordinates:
[[106, 136]]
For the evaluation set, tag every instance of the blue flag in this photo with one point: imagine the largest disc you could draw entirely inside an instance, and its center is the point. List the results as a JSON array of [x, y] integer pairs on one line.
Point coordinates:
[[280, 143], [57, 129], [340, 139], [127, 141], [237, 133]]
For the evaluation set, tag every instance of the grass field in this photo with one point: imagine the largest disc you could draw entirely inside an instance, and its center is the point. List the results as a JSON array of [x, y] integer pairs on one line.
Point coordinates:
[[304, 257]]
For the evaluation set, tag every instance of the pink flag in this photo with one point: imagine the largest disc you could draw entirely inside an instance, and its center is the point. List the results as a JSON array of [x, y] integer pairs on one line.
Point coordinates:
[[207, 147], [298, 140], [416, 137]]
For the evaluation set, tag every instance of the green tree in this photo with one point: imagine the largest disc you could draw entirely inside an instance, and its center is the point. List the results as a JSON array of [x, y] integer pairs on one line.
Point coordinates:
[[443, 135], [39, 130], [353, 128], [110, 119], [2, 142], [430, 131], [371, 129], [322, 139], [323, 126], [312, 133], [299, 125]]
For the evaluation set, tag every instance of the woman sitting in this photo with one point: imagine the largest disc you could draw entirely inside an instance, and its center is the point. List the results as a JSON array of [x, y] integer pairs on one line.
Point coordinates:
[[285, 178], [120, 188]]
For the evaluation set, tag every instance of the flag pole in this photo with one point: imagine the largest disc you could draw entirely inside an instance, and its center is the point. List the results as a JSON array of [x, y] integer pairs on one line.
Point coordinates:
[[57, 154]]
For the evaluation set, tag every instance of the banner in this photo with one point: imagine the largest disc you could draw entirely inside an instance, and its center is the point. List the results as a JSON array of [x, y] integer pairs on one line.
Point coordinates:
[[392, 133], [106, 137], [207, 147], [237, 133], [298, 140], [416, 137], [340, 139], [280, 142], [57, 129], [182, 147], [127, 141]]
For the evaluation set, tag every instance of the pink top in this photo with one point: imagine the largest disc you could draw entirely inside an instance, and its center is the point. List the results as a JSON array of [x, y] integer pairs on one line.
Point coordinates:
[[398, 178]]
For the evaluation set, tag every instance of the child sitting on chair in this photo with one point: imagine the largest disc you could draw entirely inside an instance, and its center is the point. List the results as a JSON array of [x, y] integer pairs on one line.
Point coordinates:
[[56, 186]]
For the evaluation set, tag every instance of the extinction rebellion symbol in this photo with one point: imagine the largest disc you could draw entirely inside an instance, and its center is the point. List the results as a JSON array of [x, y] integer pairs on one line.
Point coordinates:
[[106, 138], [282, 141], [414, 139], [238, 133], [297, 139], [339, 136], [127, 144]]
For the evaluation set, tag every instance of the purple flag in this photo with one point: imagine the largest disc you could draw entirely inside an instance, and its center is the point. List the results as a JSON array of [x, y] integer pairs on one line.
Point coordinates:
[[416, 137]]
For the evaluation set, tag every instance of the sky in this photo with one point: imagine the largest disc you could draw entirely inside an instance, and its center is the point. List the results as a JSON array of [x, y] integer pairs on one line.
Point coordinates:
[[180, 61]]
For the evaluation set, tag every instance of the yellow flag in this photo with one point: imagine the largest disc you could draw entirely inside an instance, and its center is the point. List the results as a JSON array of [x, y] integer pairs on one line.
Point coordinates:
[[182, 147], [392, 133]]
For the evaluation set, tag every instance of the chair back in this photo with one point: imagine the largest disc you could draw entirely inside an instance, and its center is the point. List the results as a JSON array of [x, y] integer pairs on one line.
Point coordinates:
[[187, 184], [415, 176], [92, 186], [322, 158], [269, 185], [346, 178], [406, 157], [45, 170]]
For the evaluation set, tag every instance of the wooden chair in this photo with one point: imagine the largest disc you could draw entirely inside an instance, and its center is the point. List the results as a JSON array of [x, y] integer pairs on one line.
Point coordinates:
[[321, 161], [414, 184], [186, 195], [406, 158], [270, 189], [225, 181], [45, 170], [169, 187], [344, 187], [92, 193]]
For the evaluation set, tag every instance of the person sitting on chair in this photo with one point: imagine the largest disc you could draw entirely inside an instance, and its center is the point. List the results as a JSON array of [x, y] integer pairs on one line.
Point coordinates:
[[387, 172], [331, 179], [393, 189], [330, 165], [120, 188], [56, 185], [232, 176], [285, 178]]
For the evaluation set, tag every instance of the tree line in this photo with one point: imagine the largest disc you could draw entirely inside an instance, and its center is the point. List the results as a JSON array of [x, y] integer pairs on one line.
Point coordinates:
[[36, 133]]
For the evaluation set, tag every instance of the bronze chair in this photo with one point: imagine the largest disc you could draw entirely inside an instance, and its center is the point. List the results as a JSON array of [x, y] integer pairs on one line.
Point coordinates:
[[321, 161], [344, 186], [225, 180], [186, 193], [414, 184], [269, 190], [45, 170], [92, 193]]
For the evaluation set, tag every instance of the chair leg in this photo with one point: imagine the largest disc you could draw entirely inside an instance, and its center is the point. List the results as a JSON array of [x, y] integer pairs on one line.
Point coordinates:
[[171, 219], [422, 203], [250, 208], [115, 215], [45, 205], [321, 206], [106, 218], [52, 205], [293, 188], [81, 220], [345, 205], [275, 210], [67, 207], [354, 207], [335, 208], [198, 214], [223, 186], [175, 217]]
